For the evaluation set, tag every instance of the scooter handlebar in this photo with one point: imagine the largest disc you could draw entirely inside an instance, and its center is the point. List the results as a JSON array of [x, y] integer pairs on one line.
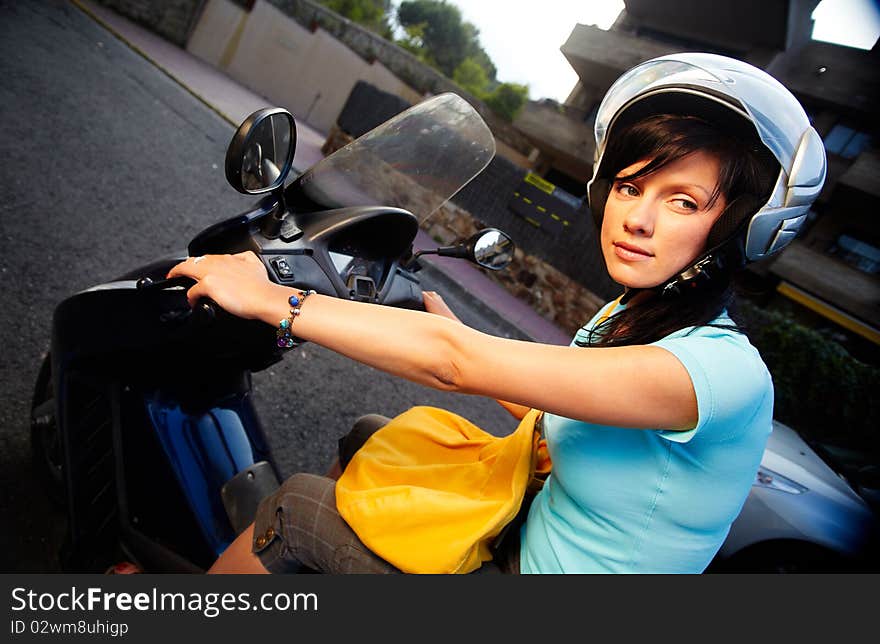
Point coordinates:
[[205, 310]]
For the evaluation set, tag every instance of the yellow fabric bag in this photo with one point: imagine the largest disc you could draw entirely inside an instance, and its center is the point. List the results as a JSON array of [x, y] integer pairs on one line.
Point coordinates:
[[430, 491]]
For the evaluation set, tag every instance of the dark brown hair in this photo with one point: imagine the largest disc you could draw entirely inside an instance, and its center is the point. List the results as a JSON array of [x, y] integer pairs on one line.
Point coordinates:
[[747, 174]]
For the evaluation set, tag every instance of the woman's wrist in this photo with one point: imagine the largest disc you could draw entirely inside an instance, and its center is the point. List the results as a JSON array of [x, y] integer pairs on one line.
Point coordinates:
[[275, 304], [285, 338]]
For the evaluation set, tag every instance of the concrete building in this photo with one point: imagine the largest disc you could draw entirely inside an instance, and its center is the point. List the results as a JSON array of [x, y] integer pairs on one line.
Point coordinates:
[[833, 268]]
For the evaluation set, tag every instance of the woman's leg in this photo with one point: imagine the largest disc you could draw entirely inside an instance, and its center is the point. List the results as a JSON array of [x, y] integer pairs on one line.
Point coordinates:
[[298, 526], [276, 539], [239, 558]]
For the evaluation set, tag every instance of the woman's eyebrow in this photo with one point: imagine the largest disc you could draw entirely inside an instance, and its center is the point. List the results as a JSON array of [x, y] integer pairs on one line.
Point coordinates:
[[685, 187], [675, 187]]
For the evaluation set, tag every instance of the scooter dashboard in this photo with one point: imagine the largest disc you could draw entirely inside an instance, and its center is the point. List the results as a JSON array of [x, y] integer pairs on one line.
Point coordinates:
[[352, 253], [350, 262]]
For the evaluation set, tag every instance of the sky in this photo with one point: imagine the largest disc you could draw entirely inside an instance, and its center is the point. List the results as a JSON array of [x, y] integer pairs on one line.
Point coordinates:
[[523, 37]]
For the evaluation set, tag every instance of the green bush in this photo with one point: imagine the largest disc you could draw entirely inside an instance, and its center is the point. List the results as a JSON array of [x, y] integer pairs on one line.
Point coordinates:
[[471, 76], [507, 99], [821, 391]]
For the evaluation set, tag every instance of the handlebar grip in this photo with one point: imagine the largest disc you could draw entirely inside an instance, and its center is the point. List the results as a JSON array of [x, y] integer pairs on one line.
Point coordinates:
[[145, 283], [205, 310]]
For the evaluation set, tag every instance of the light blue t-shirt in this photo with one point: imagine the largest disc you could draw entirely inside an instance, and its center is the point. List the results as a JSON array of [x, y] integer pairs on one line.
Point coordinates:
[[623, 500]]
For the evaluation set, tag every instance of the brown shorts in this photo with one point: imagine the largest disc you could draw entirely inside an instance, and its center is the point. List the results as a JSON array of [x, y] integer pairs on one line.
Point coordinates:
[[298, 526]]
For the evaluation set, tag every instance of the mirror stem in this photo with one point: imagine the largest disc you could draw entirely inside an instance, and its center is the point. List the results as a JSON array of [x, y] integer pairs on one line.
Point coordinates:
[[444, 251], [460, 250], [271, 225]]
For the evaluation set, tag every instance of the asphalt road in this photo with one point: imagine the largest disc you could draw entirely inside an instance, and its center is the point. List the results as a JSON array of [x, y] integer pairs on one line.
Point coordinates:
[[107, 163]]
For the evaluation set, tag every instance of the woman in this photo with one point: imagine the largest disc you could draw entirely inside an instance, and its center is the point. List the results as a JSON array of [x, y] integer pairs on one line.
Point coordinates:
[[657, 415]]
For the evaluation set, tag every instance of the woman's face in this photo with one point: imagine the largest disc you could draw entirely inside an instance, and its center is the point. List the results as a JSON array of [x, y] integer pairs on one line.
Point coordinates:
[[656, 225]]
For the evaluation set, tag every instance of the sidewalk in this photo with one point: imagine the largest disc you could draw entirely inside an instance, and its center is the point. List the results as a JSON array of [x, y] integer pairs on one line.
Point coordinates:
[[234, 103], [226, 97]]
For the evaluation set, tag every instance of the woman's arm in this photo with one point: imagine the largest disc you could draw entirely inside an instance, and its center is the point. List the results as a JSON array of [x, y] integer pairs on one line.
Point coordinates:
[[640, 386], [434, 304]]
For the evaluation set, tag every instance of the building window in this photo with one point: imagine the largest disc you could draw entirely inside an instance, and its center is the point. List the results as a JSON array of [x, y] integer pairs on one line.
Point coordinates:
[[846, 142], [857, 253]]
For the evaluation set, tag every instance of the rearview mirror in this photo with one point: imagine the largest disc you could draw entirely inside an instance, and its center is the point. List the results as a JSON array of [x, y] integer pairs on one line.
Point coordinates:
[[490, 248], [260, 155]]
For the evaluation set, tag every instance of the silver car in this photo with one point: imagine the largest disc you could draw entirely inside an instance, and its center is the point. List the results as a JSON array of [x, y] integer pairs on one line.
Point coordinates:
[[802, 515]]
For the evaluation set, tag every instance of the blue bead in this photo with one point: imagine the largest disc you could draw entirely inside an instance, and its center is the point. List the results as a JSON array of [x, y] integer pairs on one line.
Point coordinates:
[[285, 323], [294, 300], [291, 344]]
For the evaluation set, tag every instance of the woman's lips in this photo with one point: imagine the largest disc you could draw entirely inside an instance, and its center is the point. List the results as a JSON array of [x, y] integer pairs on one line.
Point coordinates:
[[630, 253]]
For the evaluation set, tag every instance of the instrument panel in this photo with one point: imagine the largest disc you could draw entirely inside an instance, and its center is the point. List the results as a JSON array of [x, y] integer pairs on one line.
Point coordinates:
[[351, 260]]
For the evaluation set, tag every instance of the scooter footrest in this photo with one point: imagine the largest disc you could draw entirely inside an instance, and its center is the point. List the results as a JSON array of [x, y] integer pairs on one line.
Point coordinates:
[[243, 492]]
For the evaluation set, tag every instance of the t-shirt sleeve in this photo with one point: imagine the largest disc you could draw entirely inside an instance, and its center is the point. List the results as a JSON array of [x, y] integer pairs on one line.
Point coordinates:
[[730, 380]]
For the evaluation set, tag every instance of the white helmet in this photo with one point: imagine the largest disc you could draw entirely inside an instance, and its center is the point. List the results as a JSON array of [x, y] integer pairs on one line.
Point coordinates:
[[735, 95]]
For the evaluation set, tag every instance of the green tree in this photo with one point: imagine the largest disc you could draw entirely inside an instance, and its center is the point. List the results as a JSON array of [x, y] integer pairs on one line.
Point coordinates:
[[372, 14], [478, 54], [471, 76], [436, 33], [447, 39], [414, 42], [507, 99]]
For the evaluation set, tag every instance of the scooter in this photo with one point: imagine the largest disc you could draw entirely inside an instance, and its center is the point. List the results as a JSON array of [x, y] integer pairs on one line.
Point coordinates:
[[143, 423]]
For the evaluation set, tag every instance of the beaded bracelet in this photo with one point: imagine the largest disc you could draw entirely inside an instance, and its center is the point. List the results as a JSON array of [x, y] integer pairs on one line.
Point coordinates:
[[283, 334]]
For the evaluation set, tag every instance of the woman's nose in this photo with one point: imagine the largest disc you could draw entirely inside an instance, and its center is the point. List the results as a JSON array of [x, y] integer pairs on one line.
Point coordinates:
[[639, 219]]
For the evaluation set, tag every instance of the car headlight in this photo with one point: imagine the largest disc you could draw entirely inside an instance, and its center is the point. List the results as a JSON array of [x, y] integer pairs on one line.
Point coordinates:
[[770, 479]]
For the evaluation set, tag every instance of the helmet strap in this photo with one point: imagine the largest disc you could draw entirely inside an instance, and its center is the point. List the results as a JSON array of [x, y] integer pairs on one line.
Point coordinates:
[[700, 272]]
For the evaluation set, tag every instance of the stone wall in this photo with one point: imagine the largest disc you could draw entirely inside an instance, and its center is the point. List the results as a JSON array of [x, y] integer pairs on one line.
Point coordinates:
[[171, 19]]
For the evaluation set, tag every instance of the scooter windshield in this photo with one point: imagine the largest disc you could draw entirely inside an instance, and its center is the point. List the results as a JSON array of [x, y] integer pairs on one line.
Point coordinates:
[[415, 161]]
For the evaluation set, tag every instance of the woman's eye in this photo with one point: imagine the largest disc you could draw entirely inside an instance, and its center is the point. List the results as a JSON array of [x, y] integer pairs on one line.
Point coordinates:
[[686, 204], [628, 190]]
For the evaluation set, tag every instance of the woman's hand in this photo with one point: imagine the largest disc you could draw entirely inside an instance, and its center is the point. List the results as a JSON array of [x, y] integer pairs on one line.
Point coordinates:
[[238, 283], [435, 304]]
